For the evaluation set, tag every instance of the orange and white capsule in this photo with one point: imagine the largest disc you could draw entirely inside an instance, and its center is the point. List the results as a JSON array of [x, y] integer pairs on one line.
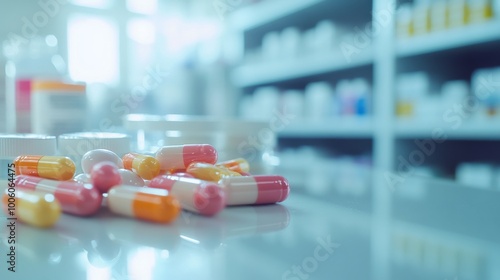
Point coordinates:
[[147, 167], [259, 189], [195, 195], [209, 172], [239, 165], [33, 208], [48, 167], [181, 156], [154, 205]]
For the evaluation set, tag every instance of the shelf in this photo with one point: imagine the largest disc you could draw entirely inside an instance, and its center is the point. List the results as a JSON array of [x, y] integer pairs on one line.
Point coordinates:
[[271, 72], [267, 11], [335, 128], [467, 130], [450, 39]]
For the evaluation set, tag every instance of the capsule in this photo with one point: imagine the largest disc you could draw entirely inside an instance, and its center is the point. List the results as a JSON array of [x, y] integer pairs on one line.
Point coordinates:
[[259, 189], [195, 195], [75, 198], [148, 204], [209, 172], [180, 157], [33, 208], [147, 167], [93, 157], [48, 167], [239, 165]]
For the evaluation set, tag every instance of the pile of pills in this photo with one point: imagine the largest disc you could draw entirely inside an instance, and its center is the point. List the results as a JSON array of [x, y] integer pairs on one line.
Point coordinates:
[[152, 188]]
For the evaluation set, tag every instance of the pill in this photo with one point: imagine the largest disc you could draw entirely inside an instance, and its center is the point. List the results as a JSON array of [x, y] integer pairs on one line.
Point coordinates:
[[239, 165], [49, 167], [259, 189], [181, 156], [129, 178], [147, 167], [105, 175], [209, 172], [75, 198], [33, 208], [93, 157], [195, 195], [149, 204]]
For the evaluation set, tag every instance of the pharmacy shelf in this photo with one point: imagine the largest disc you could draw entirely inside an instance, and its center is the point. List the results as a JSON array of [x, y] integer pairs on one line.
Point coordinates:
[[450, 39], [268, 11], [334, 128], [487, 129], [278, 71]]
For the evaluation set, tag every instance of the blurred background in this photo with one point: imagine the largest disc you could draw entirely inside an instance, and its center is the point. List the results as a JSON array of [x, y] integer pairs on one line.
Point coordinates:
[[406, 86]]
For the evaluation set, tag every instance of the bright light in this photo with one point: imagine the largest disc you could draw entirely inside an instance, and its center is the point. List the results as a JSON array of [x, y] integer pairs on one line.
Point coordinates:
[[102, 4], [142, 6], [93, 52], [141, 263], [142, 31], [98, 273], [182, 33]]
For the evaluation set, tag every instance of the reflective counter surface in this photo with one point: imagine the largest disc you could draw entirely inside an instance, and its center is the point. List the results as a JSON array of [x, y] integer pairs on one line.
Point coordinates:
[[346, 229]]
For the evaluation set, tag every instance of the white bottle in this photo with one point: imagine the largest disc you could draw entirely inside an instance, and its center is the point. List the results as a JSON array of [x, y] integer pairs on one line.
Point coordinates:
[[58, 107], [319, 100], [26, 61]]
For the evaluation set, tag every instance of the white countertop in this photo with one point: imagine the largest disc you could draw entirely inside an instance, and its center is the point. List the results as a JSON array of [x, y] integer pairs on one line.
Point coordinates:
[[432, 230]]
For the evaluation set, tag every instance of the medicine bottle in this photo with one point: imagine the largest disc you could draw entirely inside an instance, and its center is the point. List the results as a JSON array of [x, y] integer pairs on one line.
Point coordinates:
[[36, 59]]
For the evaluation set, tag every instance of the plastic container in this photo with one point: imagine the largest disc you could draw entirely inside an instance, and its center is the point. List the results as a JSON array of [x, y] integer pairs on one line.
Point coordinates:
[[421, 17], [37, 59], [252, 140], [404, 19], [58, 107], [458, 13], [75, 145], [439, 15], [13, 145], [480, 11]]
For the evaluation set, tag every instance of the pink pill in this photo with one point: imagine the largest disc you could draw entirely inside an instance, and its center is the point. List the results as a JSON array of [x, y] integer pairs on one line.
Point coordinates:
[[93, 157], [105, 175], [180, 157], [75, 198], [129, 178], [195, 195], [259, 189]]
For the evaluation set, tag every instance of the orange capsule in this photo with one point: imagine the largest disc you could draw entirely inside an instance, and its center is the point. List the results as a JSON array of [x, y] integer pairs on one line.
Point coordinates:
[[48, 167], [209, 172], [239, 165], [147, 167], [155, 205]]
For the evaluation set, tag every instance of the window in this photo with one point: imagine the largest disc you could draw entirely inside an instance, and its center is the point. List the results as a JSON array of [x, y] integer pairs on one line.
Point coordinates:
[[101, 4], [142, 6], [93, 49]]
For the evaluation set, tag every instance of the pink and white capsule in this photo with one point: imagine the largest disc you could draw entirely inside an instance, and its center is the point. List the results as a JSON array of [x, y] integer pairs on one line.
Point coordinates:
[[259, 189], [181, 156], [205, 198]]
